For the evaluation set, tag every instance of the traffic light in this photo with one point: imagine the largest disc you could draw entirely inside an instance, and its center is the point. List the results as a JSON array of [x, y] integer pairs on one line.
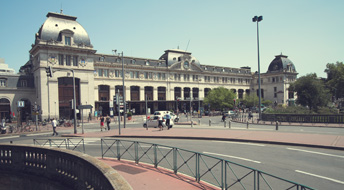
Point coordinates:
[[49, 71], [114, 100]]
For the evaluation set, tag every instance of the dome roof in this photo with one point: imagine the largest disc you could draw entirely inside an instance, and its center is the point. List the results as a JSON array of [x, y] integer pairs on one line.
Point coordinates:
[[281, 63], [56, 23]]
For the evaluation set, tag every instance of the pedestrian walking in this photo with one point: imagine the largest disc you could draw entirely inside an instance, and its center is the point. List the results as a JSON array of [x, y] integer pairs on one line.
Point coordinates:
[[54, 124], [89, 116], [168, 119], [3, 122], [223, 117], [108, 121], [101, 123], [160, 122]]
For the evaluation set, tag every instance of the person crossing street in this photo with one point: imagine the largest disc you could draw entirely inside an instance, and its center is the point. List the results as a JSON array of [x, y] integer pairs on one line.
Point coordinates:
[[54, 124]]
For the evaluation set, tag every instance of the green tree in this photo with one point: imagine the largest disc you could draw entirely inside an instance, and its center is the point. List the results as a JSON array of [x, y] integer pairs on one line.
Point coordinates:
[[220, 98], [251, 100], [310, 91], [335, 78]]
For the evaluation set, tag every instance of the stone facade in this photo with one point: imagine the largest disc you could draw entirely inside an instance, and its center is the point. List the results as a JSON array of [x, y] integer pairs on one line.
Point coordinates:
[[64, 45]]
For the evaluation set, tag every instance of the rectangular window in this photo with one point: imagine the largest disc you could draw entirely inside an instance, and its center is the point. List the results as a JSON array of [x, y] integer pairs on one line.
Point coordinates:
[[163, 77], [137, 74], [68, 41], [131, 74], [2, 82], [100, 72], [146, 75], [75, 60], [68, 60], [61, 59], [23, 83], [150, 75], [116, 73], [159, 76], [106, 73]]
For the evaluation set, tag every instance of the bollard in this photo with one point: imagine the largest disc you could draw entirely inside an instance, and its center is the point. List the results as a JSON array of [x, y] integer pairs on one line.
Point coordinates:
[[199, 122], [209, 122], [247, 125], [276, 125], [191, 123], [224, 123], [229, 124]]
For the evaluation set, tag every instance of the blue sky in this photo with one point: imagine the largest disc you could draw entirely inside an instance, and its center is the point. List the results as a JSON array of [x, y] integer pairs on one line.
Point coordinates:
[[221, 32]]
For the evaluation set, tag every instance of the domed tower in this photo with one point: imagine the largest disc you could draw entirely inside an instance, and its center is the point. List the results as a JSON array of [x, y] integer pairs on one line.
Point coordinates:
[[62, 44], [276, 81], [281, 63]]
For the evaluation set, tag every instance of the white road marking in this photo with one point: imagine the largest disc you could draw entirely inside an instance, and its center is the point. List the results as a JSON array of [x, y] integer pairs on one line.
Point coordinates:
[[37, 134], [9, 137], [319, 176], [252, 144], [312, 152], [245, 159]]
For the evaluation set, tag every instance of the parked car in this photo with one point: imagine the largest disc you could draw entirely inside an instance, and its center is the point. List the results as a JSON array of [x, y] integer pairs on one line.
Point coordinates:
[[230, 113], [256, 110], [153, 122]]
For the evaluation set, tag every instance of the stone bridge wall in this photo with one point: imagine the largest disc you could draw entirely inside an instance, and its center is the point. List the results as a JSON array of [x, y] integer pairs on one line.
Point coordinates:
[[29, 167]]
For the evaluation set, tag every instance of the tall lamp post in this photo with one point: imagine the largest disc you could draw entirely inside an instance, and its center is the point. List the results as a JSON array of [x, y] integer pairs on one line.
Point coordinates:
[[123, 90], [258, 19]]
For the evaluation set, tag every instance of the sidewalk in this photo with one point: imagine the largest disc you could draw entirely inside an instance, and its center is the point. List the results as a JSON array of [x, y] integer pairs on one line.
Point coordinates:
[[147, 177]]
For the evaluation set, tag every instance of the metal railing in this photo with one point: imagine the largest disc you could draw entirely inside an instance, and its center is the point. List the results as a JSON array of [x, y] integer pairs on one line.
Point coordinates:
[[77, 144], [202, 167], [299, 118]]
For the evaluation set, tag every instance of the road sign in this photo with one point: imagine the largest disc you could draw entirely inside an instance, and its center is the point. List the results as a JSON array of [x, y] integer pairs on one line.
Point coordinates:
[[85, 107]]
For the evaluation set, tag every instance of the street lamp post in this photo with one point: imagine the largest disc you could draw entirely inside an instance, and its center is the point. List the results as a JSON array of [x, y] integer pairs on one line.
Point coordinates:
[[124, 103], [74, 104], [258, 19]]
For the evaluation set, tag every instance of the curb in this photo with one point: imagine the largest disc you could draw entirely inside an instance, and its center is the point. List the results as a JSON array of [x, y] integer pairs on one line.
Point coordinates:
[[223, 139], [237, 140]]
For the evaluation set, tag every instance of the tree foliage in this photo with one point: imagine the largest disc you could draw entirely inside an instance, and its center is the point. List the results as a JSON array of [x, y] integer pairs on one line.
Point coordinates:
[[220, 98], [335, 78], [310, 91], [251, 100]]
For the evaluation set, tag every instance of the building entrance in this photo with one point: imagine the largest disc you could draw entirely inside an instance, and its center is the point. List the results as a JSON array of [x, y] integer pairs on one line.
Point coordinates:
[[66, 96]]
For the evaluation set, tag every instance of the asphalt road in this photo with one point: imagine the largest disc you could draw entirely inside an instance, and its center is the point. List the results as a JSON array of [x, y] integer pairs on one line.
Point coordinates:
[[317, 168]]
